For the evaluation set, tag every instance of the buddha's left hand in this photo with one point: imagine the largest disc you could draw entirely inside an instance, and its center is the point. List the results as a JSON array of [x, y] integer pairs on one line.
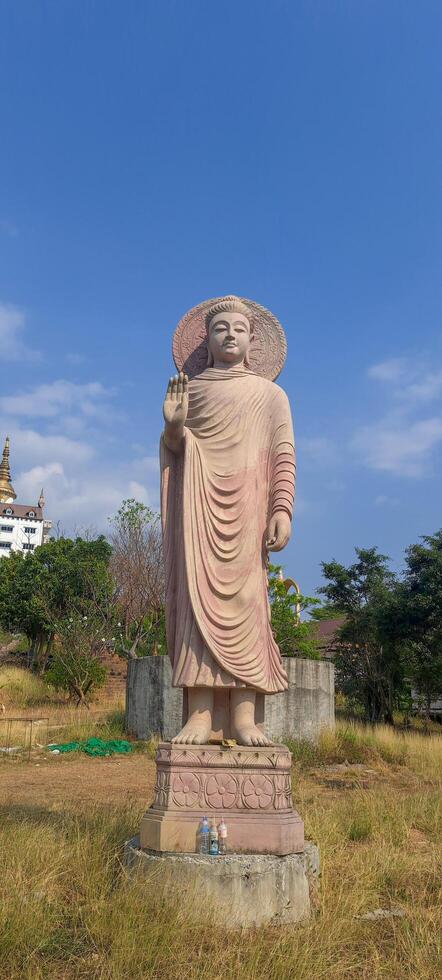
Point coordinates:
[[278, 531]]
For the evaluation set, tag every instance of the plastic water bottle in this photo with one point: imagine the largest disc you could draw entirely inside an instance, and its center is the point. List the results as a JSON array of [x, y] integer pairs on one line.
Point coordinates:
[[203, 836], [213, 846], [222, 837]]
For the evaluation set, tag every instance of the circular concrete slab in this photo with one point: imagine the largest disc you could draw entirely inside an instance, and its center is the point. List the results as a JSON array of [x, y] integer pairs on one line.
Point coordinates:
[[242, 890]]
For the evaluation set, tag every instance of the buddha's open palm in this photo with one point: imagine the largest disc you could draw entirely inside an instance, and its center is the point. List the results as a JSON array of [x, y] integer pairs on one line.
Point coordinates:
[[176, 402]]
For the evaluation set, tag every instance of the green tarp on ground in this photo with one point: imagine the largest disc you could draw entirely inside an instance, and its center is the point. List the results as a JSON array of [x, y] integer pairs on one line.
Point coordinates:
[[94, 746]]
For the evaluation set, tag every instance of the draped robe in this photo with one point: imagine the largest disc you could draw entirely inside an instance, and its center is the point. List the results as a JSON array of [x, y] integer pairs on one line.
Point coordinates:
[[235, 469]]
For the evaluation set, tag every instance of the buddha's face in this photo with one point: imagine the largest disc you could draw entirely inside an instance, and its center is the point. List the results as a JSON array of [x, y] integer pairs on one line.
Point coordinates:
[[229, 338]]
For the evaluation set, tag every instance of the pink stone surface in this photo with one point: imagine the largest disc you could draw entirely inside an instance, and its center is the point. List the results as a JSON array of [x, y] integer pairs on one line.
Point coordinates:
[[250, 787], [235, 469], [227, 490]]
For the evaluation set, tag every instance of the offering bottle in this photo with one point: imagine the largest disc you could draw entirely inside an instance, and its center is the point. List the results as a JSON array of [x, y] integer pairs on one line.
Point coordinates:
[[222, 837], [203, 836], [213, 845]]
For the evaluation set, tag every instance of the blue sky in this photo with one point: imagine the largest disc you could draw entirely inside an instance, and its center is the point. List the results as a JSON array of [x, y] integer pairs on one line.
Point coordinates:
[[155, 154]]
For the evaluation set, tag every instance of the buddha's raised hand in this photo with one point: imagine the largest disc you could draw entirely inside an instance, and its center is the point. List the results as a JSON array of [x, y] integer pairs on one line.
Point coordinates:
[[176, 402]]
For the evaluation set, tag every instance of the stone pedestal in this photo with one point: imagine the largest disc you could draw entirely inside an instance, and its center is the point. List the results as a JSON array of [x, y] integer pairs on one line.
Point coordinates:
[[249, 786], [235, 890]]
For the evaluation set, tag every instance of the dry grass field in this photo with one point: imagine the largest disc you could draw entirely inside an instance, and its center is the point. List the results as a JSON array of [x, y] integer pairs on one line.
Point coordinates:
[[370, 799]]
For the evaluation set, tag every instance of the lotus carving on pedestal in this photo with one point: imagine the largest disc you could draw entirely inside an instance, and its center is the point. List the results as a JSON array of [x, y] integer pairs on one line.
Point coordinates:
[[186, 789], [221, 790], [257, 792]]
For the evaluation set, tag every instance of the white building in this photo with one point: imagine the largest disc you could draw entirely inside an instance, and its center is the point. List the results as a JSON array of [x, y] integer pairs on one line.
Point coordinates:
[[22, 526]]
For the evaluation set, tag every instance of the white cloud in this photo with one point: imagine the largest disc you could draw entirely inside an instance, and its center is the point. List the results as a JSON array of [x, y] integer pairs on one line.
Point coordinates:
[[138, 492], [39, 449], [397, 445], [84, 496], [74, 426], [82, 488], [33, 480], [427, 388], [49, 400], [410, 381], [64, 438], [383, 500], [403, 442], [390, 370], [318, 450], [12, 346]]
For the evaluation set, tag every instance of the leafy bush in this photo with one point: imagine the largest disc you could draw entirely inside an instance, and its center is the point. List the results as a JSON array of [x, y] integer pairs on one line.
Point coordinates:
[[77, 674], [75, 666]]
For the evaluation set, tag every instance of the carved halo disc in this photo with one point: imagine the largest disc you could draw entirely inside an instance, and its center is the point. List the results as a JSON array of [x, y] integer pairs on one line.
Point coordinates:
[[268, 350]]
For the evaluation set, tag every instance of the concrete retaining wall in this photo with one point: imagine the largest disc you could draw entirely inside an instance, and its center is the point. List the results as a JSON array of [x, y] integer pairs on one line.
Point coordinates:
[[154, 707], [307, 706]]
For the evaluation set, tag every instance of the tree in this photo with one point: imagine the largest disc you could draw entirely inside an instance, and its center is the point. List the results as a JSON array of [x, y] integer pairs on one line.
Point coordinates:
[[138, 572], [294, 638], [45, 585], [422, 596], [370, 648], [326, 611], [75, 665]]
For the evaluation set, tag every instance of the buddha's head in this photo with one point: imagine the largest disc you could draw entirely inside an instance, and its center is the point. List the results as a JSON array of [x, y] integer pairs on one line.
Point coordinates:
[[229, 333]]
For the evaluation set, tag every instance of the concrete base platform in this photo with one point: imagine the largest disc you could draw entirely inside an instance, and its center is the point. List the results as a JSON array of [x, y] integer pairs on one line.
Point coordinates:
[[234, 890]]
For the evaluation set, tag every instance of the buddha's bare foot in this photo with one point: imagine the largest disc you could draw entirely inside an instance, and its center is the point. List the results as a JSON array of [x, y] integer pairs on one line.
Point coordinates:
[[195, 732], [250, 735]]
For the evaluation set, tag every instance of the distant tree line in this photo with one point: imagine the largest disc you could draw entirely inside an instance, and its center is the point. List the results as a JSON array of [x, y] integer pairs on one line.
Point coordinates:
[[390, 645], [73, 599]]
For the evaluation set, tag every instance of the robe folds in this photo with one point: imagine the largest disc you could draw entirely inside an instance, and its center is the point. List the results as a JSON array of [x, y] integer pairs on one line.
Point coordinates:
[[235, 469]]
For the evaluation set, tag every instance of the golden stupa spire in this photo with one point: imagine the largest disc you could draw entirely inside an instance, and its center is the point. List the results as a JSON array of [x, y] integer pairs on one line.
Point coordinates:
[[7, 492]]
